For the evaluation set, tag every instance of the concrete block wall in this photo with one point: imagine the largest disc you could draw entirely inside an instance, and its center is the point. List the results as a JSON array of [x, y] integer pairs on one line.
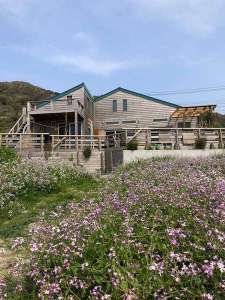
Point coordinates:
[[130, 156]]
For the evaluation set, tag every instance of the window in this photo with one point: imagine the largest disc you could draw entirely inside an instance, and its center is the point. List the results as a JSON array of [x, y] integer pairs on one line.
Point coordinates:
[[160, 120], [129, 122], [124, 104], [187, 124], [112, 123], [114, 105], [69, 100], [184, 125]]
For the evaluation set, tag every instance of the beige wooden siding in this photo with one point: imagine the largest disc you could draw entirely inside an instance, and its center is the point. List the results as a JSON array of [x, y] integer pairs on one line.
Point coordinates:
[[174, 122], [60, 105], [143, 111]]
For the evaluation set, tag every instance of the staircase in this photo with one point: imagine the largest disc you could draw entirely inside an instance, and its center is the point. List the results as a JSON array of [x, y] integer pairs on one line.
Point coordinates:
[[12, 138], [21, 125]]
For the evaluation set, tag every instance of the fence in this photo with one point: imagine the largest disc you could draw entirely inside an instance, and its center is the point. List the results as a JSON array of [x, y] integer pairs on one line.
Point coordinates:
[[39, 142], [175, 137]]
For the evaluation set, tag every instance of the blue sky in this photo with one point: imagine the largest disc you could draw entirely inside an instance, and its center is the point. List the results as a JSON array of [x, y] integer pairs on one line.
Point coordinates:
[[142, 45]]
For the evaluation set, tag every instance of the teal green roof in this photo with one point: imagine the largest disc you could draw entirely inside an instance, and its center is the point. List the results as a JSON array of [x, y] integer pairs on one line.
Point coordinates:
[[60, 95], [73, 89], [98, 98], [120, 89]]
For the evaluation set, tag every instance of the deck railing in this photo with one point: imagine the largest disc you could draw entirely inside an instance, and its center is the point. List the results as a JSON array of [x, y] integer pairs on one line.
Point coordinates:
[[78, 142], [175, 138], [39, 142], [24, 141], [20, 122], [50, 106]]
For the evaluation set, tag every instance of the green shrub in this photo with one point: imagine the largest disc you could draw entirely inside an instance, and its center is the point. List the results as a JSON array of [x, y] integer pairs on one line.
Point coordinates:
[[7, 155], [87, 152], [132, 145], [200, 143]]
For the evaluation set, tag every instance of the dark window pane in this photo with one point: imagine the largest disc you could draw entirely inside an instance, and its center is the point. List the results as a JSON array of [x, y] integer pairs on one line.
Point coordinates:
[[114, 106], [125, 105], [69, 100]]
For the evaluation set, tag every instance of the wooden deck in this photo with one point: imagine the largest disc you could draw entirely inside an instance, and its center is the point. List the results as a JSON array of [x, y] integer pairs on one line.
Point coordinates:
[[167, 138], [175, 137]]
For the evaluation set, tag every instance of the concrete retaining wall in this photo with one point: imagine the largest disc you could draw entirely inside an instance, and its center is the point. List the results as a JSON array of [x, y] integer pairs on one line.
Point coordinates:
[[129, 156]]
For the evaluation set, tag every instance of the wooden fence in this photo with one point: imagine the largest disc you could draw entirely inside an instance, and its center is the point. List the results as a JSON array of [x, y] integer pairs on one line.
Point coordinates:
[[175, 138], [39, 142]]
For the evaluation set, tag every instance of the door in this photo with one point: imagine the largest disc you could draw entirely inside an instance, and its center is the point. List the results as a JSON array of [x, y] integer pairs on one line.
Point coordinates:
[[72, 129]]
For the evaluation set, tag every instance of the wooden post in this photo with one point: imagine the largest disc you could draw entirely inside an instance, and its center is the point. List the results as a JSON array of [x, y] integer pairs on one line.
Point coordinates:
[[0, 140], [77, 145], [220, 139], [53, 142], [28, 116], [20, 142], [199, 133], [177, 144], [42, 142], [99, 143], [126, 137]]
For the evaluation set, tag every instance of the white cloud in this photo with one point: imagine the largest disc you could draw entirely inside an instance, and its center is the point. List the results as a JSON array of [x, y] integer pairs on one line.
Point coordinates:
[[198, 16], [88, 64]]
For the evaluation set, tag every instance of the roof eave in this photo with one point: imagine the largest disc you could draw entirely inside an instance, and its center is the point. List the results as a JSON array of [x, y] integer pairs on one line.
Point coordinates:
[[136, 94]]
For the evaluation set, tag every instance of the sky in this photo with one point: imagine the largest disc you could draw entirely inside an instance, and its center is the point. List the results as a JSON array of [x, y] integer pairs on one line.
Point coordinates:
[[147, 46]]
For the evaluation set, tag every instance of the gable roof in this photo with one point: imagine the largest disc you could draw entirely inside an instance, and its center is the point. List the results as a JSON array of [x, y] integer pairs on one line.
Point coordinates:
[[120, 89], [73, 89]]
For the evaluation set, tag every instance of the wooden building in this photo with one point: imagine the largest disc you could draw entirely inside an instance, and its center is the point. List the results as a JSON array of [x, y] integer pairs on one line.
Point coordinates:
[[76, 111]]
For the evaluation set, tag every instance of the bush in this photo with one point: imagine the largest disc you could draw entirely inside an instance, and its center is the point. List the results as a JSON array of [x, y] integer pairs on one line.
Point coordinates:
[[7, 155], [87, 152], [200, 143], [132, 145], [26, 176]]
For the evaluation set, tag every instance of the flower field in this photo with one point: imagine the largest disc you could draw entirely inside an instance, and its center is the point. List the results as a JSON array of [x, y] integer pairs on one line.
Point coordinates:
[[156, 231], [21, 177]]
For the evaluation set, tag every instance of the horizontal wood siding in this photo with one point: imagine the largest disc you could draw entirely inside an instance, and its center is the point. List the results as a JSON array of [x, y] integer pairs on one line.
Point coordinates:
[[144, 112], [174, 122], [88, 111], [60, 105]]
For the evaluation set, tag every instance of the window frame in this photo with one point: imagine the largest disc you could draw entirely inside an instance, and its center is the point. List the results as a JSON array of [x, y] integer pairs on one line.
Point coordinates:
[[114, 105], [69, 100], [125, 105]]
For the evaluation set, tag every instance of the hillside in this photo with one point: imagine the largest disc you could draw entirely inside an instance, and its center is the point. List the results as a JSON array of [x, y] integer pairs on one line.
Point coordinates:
[[219, 120], [13, 96]]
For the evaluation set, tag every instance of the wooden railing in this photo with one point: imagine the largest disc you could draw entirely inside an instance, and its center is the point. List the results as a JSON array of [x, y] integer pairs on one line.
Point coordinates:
[[56, 106], [78, 142], [20, 122], [176, 137], [34, 142], [39, 142]]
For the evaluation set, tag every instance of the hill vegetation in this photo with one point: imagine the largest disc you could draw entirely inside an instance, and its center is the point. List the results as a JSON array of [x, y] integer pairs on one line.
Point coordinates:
[[13, 96]]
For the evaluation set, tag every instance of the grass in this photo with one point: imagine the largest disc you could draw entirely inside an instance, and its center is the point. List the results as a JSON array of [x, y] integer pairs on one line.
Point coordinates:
[[36, 202]]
